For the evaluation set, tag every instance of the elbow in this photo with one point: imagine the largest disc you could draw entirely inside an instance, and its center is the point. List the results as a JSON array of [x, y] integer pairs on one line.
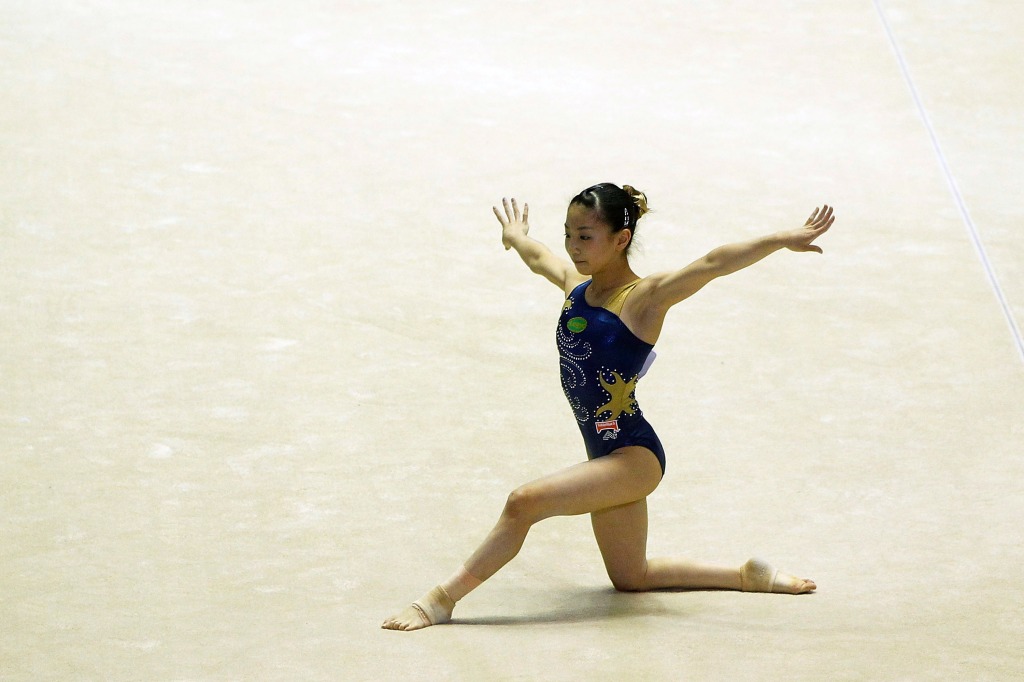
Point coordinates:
[[712, 265]]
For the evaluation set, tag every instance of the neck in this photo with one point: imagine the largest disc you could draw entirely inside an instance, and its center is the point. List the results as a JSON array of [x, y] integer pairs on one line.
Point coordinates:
[[613, 276]]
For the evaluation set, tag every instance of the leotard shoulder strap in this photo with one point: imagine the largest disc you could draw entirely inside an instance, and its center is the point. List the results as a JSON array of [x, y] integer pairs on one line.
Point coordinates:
[[618, 297]]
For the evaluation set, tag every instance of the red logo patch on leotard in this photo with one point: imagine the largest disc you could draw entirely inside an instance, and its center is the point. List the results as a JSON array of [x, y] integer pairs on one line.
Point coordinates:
[[609, 428]]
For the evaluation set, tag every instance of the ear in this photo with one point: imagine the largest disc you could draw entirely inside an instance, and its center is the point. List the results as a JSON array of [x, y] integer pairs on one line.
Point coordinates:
[[622, 238]]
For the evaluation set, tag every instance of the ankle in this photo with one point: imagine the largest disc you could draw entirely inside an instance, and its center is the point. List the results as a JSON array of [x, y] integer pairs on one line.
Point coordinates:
[[436, 606], [460, 584]]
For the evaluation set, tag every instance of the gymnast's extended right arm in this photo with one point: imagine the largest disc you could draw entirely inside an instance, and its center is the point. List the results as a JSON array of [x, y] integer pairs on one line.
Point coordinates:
[[539, 258]]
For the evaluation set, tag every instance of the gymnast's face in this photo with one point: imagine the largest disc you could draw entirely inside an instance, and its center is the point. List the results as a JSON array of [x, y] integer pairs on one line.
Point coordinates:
[[589, 240]]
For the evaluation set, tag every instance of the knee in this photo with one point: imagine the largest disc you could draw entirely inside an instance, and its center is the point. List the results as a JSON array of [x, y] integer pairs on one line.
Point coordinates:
[[630, 580], [631, 583], [522, 505]]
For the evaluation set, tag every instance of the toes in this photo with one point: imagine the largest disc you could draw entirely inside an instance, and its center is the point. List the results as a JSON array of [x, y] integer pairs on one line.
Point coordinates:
[[392, 624], [410, 619], [803, 586]]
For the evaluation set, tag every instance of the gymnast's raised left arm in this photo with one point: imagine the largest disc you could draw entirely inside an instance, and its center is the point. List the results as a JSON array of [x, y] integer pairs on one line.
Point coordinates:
[[666, 289]]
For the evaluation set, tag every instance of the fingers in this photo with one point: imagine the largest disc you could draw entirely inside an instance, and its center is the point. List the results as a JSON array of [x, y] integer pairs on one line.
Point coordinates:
[[824, 221], [821, 219], [820, 216], [507, 217], [511, 213]]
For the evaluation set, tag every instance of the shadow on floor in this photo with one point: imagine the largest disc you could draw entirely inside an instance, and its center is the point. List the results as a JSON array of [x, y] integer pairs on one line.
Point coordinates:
[[588, 605]]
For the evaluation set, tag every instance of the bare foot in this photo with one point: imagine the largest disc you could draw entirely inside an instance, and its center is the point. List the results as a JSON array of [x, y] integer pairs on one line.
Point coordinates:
[[759, 576], [434, 608]]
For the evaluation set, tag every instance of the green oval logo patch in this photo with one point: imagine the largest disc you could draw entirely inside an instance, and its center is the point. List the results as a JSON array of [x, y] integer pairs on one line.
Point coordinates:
[[576, 324]]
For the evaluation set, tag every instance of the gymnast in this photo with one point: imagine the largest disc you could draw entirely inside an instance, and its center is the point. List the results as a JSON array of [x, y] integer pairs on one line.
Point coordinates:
[[606, 333]]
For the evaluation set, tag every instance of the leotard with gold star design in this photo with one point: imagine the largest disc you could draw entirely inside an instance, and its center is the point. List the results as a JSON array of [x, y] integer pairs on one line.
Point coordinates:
[[601, 361]]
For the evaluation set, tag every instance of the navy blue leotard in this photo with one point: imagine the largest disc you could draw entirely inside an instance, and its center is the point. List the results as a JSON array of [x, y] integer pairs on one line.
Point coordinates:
[[601, 361]]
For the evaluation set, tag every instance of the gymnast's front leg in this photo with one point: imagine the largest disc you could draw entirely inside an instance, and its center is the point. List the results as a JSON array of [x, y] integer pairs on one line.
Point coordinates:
[[611, 481]]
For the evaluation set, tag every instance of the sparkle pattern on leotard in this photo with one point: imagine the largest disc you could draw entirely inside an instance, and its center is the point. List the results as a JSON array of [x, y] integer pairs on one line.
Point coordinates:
[[572, 351]]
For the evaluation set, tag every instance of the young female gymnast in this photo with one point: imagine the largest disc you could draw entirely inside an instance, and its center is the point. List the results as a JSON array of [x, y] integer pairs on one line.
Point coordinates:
[[609, 324]]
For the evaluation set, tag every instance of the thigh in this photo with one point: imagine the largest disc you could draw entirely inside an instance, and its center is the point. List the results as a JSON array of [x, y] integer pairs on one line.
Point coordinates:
[[625, 476], [621, 534]]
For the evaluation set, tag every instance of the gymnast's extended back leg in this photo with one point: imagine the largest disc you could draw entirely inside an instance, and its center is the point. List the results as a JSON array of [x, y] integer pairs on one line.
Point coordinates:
[[621, 534]]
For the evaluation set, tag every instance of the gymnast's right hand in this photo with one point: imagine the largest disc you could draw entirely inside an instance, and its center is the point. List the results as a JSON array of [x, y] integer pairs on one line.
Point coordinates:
[[513, 225]]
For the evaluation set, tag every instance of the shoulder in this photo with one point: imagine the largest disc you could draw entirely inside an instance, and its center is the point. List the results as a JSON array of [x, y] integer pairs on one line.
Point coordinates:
[[641, 312], [646, 290], [574, 282], [663, 290]]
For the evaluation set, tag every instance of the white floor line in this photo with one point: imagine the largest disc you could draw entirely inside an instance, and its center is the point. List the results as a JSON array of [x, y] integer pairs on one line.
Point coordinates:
[[972, 229]]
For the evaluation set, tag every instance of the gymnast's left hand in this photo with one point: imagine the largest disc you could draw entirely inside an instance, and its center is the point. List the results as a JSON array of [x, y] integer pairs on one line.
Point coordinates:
[[802, 239]]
